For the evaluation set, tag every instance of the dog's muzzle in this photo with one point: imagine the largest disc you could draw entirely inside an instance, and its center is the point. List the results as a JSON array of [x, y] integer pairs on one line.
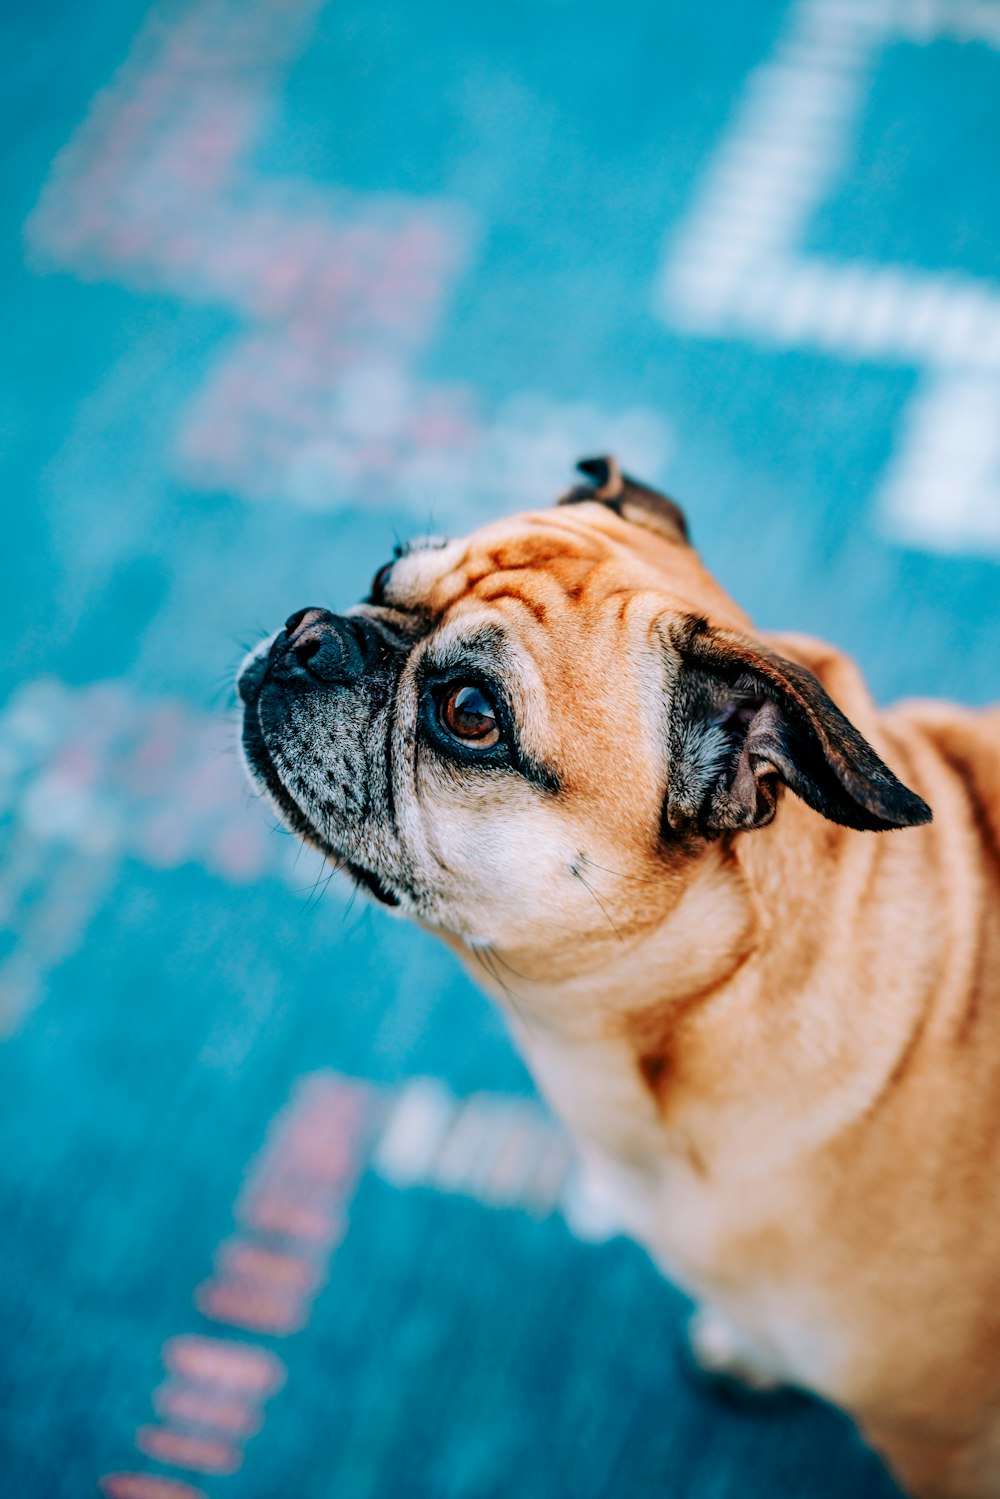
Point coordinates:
[[316, 649], [317, 655]]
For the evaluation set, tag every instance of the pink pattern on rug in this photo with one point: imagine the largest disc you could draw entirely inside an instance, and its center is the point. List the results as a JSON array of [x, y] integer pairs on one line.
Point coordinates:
[[341, 291], [264, 1283]]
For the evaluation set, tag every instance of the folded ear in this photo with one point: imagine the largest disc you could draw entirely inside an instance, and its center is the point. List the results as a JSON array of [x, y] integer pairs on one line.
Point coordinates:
[[628, 498], [743, 720]]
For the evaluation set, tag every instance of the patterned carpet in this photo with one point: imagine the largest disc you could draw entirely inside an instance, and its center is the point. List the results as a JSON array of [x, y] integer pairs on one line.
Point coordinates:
[[285, 279]]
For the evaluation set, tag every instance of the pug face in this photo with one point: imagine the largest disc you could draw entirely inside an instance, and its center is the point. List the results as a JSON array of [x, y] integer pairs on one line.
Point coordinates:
[[529, 738]]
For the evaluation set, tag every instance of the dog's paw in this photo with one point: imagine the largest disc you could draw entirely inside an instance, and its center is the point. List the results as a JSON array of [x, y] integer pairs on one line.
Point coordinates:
[[720, 1351]]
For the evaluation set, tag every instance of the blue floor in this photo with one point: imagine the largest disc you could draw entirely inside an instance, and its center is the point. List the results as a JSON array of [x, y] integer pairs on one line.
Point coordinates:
[[286, 280]]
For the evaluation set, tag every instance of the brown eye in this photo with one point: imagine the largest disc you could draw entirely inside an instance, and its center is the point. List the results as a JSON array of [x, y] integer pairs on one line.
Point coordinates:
[[468, 714]]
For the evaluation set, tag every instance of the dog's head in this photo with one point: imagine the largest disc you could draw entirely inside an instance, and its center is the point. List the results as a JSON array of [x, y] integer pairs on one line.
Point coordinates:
[[562, 693]]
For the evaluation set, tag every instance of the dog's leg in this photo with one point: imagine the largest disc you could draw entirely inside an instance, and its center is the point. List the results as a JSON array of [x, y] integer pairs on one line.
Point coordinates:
[[722, 1351]]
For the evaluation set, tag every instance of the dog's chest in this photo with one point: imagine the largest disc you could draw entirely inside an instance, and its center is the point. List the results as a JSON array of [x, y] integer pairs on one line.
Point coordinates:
[[647, 1176], [721, 1239]]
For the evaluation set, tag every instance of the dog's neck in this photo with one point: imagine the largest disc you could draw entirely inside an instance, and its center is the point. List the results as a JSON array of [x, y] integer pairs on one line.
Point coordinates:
[[661, 1048]]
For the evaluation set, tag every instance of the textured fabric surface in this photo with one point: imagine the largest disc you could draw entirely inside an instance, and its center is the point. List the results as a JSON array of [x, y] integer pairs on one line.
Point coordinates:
[[280, 1211]]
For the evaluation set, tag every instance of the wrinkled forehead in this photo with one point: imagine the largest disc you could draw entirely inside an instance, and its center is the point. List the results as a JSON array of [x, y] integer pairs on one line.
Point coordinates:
[[552, 566], [436, 575]]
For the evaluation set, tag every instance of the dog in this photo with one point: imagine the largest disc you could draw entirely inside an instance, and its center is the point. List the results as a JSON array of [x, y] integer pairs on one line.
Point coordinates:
[[756, 980]]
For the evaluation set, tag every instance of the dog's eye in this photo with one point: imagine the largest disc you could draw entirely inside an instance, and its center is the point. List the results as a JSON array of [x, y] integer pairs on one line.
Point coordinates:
[[468, 714], [377, 591]]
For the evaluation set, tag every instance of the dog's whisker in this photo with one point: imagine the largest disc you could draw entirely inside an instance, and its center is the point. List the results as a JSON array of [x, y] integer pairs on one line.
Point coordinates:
[[350, 903], [318, 889], [638, 879], [481, 954], [364, 914], [516, 972], [597, 899]]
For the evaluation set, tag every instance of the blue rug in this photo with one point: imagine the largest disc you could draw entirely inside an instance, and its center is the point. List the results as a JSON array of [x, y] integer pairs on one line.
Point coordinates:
[[285, 279]]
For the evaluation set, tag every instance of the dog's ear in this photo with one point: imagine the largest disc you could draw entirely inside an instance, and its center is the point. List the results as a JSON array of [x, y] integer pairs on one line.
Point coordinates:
[[628, 498], [743, 720]]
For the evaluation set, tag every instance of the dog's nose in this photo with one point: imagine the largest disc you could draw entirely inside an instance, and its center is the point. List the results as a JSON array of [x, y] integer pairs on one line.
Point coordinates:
[[320, 647], [294, 620]]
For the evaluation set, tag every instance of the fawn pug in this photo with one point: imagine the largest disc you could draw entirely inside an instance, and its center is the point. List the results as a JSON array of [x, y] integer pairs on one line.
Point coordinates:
[[760, 985]]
